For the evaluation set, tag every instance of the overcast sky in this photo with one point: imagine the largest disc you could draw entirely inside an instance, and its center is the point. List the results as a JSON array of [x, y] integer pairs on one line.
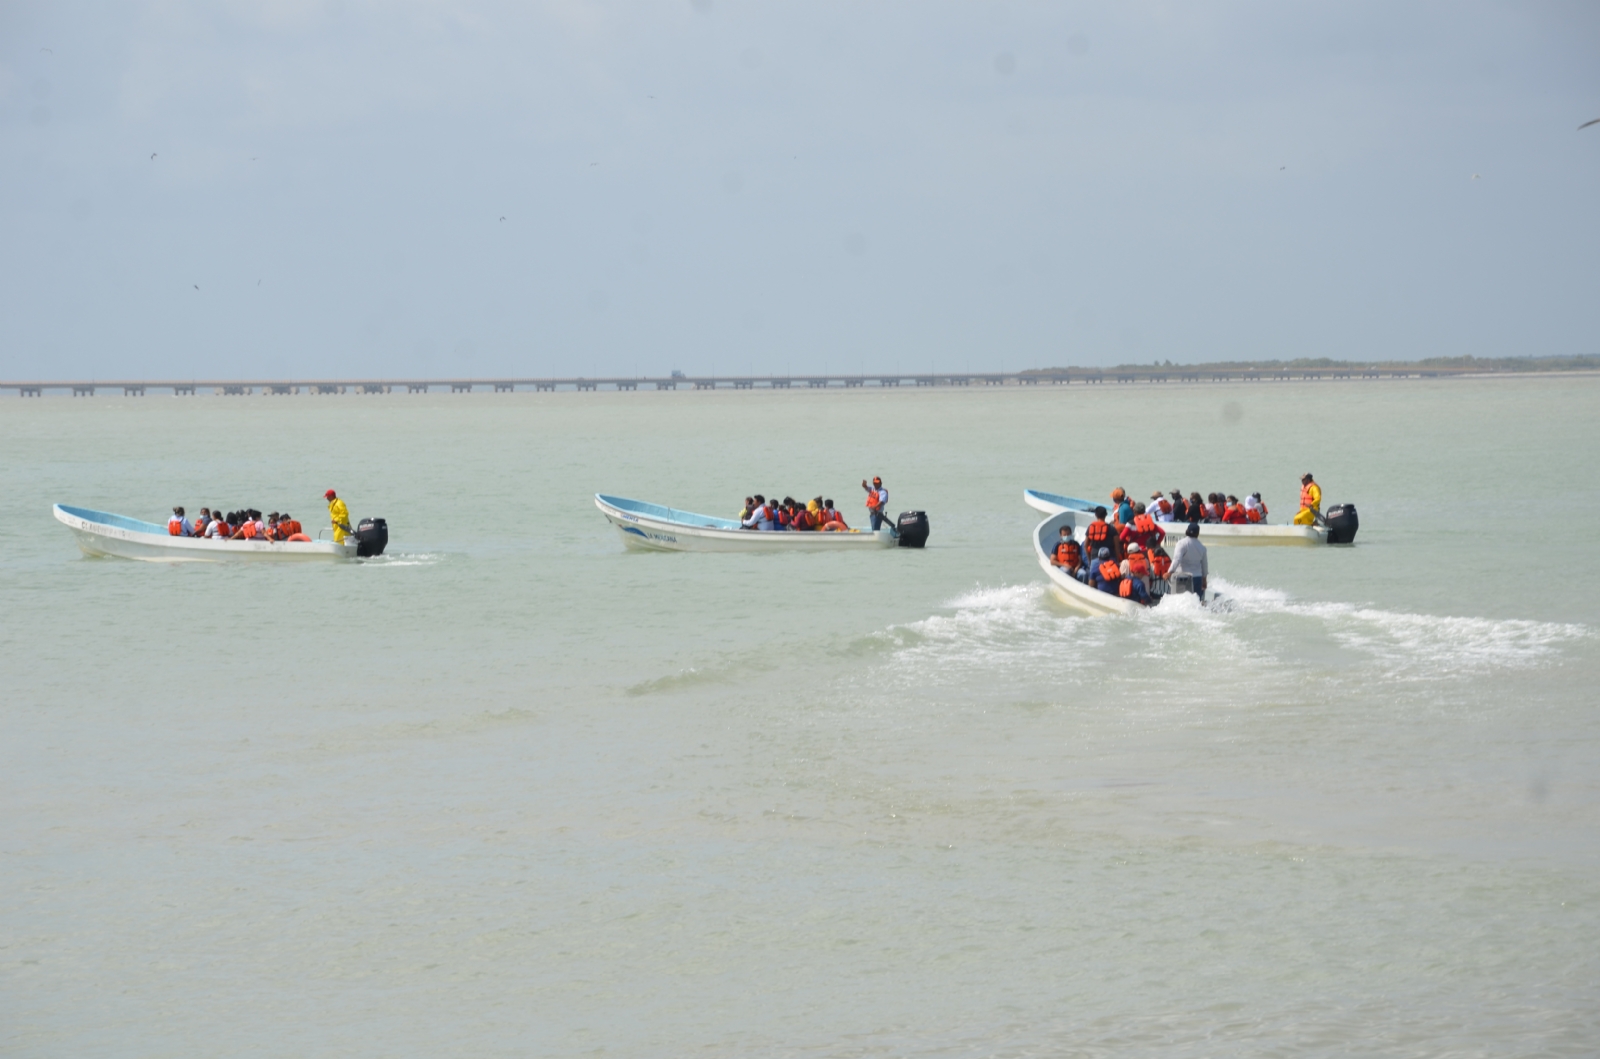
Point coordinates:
[[394, 189]]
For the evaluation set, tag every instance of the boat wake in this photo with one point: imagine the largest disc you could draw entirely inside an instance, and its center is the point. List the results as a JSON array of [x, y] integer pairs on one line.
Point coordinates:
[[1022, 631], [405, 559]]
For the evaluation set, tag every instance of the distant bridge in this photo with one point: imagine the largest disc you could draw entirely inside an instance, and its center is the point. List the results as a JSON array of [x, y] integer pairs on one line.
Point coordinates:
[[242, 387]]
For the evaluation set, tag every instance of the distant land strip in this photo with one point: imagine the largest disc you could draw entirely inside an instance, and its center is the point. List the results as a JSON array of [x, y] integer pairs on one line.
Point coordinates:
[[1222, 371]]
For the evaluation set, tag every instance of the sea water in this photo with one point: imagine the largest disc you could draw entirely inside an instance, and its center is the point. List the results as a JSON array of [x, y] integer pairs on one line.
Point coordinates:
[[512, 790]]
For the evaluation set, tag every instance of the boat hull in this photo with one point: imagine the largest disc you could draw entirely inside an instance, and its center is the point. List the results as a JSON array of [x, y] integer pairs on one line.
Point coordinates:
[[101, 534], [1069, 590], [643, 529], [1211, 532]]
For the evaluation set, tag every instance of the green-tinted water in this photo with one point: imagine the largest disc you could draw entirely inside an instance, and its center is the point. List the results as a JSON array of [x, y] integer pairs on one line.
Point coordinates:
[[514, 790]]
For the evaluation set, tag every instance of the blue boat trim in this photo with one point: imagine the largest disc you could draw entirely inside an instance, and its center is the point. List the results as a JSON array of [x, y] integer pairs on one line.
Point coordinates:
[[106, 518], [667, 514], [1071, 502]]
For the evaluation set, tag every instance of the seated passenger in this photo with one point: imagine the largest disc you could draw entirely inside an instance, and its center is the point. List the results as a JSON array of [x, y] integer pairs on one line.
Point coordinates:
[[1197, 508], [758, 516], [1180, 507], [289, 527], [219, 528], [1254, 509], [1068, 554], [1160, 507], [178, 526], [1133, 588], [749, 505], [1136, 567], [832, 520], [1234, 514], [1143, 532], [1160, 566], [1107, 573], [1101, 534]]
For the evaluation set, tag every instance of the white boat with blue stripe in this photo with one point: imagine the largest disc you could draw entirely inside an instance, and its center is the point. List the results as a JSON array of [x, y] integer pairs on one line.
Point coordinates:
[[100, 533], [1054, 503], [1256, 533], [657, 528]]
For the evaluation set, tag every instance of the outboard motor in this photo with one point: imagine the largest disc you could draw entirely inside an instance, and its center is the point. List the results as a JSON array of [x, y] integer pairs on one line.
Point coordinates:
[[372, 537], [1342, 524], [911, 530]]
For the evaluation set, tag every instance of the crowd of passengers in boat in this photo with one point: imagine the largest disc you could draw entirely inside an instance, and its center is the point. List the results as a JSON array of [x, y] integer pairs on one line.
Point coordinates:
[[1123, 550], [816, 514], [245, 525]]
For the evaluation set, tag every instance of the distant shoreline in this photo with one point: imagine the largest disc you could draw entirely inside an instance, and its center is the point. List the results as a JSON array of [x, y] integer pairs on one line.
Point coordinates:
[[1313, 371]]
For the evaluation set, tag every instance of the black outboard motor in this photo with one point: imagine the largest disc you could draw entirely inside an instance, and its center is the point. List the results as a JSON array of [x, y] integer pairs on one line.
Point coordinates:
[[911, 530], [372, 537], [1342, 524]]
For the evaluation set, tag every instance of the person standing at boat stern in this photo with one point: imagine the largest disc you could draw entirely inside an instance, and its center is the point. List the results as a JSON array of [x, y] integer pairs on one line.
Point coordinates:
[[877, 501], [1310, 512], [339, 515], [1189, 564]]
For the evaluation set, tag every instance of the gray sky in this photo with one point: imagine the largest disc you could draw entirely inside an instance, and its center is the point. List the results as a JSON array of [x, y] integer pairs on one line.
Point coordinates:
[[778, 187]]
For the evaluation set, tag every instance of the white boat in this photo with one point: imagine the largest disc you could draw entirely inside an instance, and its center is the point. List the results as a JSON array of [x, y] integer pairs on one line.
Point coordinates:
[[1069, 589], [1210, 532], [101, 533], [653, 527]]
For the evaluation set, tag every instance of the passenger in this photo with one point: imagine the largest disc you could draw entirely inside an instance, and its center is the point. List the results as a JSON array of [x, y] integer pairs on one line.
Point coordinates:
[[1136, 567], [1101, 534], [247, 531], [749, 505], [289, 527], [1216, 510], [833, 520], [1121, 510], [271, 532], [1160, 563], [877, 502], [1254, 509], [1160, 507], [1310, 512], [758, 515], [1180, 507], [1134, 589], [178, 526], [1068, 554], [1197, 508], [201, 522], [1107, 572], [1234, 514], [339, 515], [1143, 531], [1189, 565]]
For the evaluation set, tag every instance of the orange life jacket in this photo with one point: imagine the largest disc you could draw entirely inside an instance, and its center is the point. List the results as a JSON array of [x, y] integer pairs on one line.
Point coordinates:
[[1144, 524], [1165, 505], [1110, 571], [874, 499], [1234, 514], [1125, 590], [1252, 514], [249, 529], [175, 526], [1069, 553], [1137, 566], [1097, 533], [289, 529], [1305, 496], [1162, 564]]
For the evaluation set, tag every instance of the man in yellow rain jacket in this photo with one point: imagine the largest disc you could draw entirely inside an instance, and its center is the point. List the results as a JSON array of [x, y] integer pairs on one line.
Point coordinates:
[[339, 514], [1310, 512]]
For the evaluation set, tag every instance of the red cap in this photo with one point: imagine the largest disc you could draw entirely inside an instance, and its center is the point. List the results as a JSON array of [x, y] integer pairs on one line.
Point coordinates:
[[328, 495]]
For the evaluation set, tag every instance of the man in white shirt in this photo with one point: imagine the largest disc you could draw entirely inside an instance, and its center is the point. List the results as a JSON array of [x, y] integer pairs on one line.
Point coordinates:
[[1189, 565]]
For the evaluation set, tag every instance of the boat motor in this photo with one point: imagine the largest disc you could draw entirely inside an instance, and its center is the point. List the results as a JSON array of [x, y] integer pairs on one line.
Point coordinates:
[[372, 537], [1342, 524], [911, 530]]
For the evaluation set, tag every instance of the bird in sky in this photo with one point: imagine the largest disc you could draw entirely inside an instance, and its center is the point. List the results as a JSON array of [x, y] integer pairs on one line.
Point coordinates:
[[502, 218], [1586, 124], [50, 50], [594, 163], [1476, 177], [197, 286], [255, 157], [152, 156], [1281, 168]]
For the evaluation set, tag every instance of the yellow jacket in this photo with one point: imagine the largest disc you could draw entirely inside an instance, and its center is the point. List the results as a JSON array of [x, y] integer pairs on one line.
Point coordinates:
[[340, 516]]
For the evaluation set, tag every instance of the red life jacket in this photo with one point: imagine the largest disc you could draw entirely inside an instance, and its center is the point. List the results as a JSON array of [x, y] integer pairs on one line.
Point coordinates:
[[1137, 566], [1252, 514], [1069, 554], [249, 529], [1165, 505], [1145, 525], [1110, 571], [1125, 590], [1098, 533], [1162, 564], [1234, 514], [175, 526]]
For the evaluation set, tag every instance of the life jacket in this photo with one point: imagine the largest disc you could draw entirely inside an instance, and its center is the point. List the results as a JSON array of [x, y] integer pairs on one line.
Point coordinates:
[[175, 526], [1137, 566], [831, 514], [289, 529], [1180, 511], [1069, 554], [1252, 514], [1116, 513], [249, 529], [1165, 505], [875, 499], [1234, 514], [1161, 564], [1110, 571], [1097, 533], [1144, 524], [1125, 590], [1306, 497]]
